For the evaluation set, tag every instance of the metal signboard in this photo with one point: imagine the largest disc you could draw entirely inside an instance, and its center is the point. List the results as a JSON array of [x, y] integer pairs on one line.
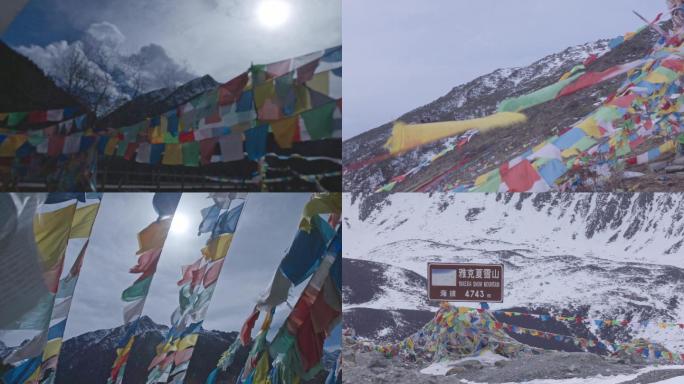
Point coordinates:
[[466, 282]]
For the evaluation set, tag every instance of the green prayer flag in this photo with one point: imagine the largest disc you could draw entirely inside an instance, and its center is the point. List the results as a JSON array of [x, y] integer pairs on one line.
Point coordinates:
[[36, 138], [492, 185], [137, 290], [170, 139], [319, 121], [15, 118], [543, 95], [191, 153], [121, 149], [584, 143]]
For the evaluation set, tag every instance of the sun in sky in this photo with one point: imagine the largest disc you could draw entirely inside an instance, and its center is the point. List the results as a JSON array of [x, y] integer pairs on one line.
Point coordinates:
[[273, 13], [180, 223]]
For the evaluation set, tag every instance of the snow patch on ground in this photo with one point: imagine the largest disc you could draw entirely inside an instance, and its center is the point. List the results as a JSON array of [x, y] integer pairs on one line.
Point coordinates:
[[603, 379], [441, 368]]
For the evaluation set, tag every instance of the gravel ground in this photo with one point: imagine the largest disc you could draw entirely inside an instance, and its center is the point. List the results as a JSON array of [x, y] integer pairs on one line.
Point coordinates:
[[657, 376], [373, 367]]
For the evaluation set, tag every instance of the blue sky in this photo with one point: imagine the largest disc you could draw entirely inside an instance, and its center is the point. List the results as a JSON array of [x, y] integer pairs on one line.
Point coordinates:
[[217, 37], [402, 54]]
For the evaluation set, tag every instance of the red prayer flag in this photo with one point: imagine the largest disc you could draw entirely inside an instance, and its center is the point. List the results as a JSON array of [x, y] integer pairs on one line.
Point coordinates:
[[519, 178], [587, 80], [181, 357], [188, 271], [147, 263], [213, 273], [55, 145], [37, 117], [624, 101], [246, 331], [207, 147], [130, 151], [306, 72], [676, 65], [309, 344], [230, 92], [186, 137]]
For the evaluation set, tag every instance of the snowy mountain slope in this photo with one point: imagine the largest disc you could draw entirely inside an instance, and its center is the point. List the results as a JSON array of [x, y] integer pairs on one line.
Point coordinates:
[[87, 358], [479, 98], [120, 76], [597, 255], [376, 285], [156, 102], [647, 228]]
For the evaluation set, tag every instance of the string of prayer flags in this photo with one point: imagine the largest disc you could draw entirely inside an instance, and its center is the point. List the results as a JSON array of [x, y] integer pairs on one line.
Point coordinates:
[[151, 243], [307, 249], [461, 141], [457, 332], [81, 228], [20, 253], [197, 285], [643, 110], [13, 119], [316, 313], [406, 137], [296, 351], [53, 228]]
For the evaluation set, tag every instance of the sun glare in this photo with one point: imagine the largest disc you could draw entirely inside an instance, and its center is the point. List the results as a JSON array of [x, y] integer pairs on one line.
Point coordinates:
[[273, 13], [180, 223]]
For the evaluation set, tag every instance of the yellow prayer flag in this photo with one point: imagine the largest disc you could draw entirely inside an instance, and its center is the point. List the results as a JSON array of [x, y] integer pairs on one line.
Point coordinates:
[[667, 147], [328, 202], [52, 348], [590, 126], [173, 154], [154, 235], [128, 346], [266, 325], [157, 135], [263, 92], [570, 152], [261, 371], [657, 78], [83, 221], [8, 148], [284, 131], [303, 97], [110, 148], [35, 376], [187, 342], [51, 230], [217, 247], [406, 137], [320, 83], [482, 179]]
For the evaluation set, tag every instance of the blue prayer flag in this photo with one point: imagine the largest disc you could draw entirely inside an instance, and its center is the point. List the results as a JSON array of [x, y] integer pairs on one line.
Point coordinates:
[[256, 142]]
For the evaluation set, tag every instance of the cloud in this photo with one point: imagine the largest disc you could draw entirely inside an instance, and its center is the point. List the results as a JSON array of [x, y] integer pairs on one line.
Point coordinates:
[[216, 37], [100, 50], [105, 33]]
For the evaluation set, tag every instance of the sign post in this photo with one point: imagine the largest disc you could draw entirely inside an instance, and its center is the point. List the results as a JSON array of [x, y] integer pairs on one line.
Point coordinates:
[[466, 282]]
